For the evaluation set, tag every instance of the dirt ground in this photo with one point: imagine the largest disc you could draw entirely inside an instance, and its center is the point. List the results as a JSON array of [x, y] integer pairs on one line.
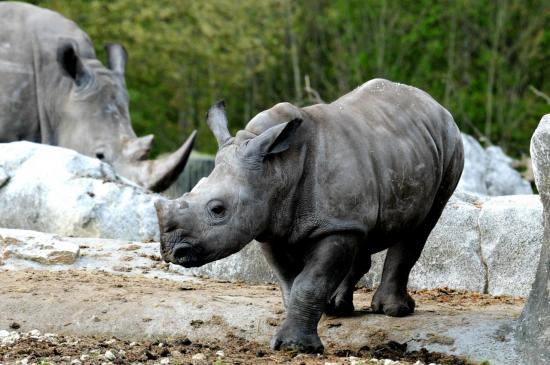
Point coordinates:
[[99, 317]]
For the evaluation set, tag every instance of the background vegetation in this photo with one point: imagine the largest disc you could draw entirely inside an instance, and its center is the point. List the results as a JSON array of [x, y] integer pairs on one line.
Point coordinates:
[[480, 59]]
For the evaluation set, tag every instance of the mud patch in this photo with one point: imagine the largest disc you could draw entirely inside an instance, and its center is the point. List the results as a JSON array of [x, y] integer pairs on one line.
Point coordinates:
[[58, 349]]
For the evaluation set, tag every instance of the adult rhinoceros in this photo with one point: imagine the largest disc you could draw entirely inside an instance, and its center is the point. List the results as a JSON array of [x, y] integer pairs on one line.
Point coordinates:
[[53, 90]]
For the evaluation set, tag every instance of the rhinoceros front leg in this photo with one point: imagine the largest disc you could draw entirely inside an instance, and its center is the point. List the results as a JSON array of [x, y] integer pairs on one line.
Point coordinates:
[[325, 267], [284, 264], [341, 301]]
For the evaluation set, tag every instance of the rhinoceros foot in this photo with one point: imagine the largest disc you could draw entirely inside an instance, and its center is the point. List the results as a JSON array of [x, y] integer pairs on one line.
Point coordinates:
[[340, 305], [392, 305], [294, 339]]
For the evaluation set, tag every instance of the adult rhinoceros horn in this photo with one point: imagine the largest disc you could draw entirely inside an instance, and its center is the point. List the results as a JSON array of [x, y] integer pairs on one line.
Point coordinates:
[[156, 175], [163, 171], [217, 122]]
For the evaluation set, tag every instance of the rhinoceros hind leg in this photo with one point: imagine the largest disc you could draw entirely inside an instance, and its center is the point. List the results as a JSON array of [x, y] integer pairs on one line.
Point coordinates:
[[392, 298], [341, 302]]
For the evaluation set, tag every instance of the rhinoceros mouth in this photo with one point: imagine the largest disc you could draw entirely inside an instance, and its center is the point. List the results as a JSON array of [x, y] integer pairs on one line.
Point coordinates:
[[177, 250]]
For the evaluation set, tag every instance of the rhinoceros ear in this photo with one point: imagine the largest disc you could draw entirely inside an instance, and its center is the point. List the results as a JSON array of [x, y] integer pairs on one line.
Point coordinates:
[[274, 140], [71, 63], [117, 57], [138, 149]]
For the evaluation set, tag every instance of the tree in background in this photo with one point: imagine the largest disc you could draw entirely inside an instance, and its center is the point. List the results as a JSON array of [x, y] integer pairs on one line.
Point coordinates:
[[478, 58]]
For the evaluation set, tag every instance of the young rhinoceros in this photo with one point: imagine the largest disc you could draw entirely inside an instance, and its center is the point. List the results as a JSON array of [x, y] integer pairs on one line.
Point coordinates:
[[53, 90], [323, 188]]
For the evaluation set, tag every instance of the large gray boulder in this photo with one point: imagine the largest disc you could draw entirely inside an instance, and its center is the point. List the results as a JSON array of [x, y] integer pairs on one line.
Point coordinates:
[[52, 189], [533, 335], [489, 171]]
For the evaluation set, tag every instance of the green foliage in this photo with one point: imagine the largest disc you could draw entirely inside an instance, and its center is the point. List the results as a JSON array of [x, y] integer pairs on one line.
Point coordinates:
[[478, 58]]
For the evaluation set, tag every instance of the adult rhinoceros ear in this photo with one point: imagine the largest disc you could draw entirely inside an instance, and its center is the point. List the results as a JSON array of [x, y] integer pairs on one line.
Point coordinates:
[[274, 140], [71, 63], [217, 122], [117, 57]]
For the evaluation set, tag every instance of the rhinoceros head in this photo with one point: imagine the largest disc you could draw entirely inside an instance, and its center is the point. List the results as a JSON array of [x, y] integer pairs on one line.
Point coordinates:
[[230, 207], [94, 119]]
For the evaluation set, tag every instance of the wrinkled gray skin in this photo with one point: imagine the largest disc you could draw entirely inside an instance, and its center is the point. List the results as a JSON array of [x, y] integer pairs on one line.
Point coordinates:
[[323, 188], [53, 90]]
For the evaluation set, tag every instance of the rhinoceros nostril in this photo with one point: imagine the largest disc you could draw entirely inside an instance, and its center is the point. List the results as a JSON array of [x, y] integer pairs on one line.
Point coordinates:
[[181, 250]]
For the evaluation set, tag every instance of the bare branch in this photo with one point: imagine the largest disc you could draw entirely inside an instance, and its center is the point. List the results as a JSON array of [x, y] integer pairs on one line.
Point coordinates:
[[540, 94]]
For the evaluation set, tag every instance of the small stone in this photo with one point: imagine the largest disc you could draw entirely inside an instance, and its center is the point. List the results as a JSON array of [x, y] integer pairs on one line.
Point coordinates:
[[199, 356], [4, 333], [220, 353], [165, 361], [260, 353], [25, 361], [132, 344], [34, 333], [76, 362], [84, 357], [15, 325], [96, 319], [418, 363], [110, 342], [109, 355]]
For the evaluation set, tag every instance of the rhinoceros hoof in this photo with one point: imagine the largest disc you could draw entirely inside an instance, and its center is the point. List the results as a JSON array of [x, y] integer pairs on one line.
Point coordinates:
[[339, 307], [393, 306], [295, 340]]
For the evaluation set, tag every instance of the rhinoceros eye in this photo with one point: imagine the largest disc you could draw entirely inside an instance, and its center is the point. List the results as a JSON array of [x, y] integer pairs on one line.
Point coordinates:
[[216, 209], [100, 155]]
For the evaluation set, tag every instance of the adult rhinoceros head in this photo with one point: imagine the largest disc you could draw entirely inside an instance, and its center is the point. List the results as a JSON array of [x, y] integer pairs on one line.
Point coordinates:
[[93, 118]]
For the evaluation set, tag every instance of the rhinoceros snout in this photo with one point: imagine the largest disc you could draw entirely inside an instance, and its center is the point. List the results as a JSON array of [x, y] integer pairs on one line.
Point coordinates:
[[181, 252]]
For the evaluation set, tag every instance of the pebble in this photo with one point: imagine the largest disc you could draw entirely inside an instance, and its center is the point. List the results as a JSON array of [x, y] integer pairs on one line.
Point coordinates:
[[76, 362], [4, 333], [10, 338], [132, 344], [165, 361], [199, 356], [109, 355], [34, 333], [25, 361], [84, 357], [220, 353]]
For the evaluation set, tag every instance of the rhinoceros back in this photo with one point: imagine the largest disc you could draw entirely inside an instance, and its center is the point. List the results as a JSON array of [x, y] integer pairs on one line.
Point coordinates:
[[29, 72], [383, 154]]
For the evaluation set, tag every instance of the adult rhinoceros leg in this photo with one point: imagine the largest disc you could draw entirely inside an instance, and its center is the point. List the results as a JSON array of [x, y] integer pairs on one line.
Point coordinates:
[[326, 266]]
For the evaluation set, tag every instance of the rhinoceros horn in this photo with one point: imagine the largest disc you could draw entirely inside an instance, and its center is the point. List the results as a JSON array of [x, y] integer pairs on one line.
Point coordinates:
[[156, 175], [217, 122]]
